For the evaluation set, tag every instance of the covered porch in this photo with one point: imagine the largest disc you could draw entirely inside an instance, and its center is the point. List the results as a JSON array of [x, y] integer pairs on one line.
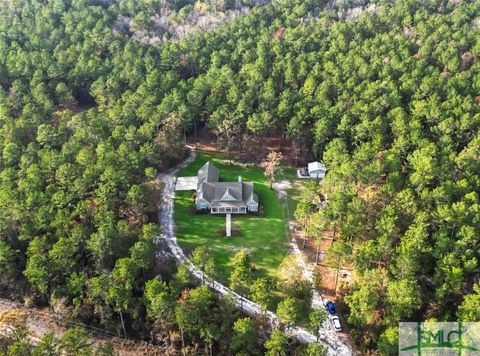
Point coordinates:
[[228, 209]]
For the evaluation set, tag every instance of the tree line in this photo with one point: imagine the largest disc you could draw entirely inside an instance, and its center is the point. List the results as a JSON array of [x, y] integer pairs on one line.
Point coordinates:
[[388, 99]]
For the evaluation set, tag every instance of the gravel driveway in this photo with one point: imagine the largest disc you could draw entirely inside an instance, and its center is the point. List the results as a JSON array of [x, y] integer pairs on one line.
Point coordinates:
[[165, 218]]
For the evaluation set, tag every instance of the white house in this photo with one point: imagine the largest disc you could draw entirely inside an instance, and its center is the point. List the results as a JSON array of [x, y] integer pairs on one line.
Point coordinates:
[[224, 197]]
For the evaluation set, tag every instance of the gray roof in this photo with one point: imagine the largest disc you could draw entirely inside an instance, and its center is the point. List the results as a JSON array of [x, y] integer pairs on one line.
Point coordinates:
[[206, 191], [234, 189], [248, 192], [208, 173], [210, 189]]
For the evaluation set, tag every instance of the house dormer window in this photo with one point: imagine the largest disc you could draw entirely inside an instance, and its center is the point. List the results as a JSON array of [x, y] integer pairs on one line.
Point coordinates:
[[227, 196]]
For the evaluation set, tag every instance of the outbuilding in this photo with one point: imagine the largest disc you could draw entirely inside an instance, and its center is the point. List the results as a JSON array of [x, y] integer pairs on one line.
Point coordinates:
[[315, 170]]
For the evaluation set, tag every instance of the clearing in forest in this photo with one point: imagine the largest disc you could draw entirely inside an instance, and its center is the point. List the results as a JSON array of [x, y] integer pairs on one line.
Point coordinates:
[[263, 235]]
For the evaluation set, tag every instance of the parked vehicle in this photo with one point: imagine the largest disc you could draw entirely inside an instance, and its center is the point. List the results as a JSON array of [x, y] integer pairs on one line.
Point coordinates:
[[336, 323], [330, 307]]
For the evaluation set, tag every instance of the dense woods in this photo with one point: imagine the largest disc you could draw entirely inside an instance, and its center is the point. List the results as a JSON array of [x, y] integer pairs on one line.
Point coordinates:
[[389, 99]]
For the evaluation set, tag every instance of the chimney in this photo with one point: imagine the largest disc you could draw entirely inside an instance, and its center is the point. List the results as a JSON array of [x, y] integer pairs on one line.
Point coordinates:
[[239, 179]]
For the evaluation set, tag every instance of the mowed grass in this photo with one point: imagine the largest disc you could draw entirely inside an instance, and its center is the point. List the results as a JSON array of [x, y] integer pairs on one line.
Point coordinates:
[[263, 236], [294, 193]]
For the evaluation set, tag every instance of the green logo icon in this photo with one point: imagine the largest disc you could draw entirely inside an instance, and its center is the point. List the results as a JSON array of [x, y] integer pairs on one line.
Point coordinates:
[[454, 338]]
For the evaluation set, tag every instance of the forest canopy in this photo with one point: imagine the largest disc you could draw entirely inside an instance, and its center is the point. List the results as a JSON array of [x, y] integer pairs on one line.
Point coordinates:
[[388, 98]]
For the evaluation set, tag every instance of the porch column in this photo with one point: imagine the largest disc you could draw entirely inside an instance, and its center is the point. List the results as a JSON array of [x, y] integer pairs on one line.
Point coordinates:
[[228, 226]]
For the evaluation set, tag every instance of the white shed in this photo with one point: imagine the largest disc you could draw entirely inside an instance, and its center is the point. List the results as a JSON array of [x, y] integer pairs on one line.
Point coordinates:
[[316, 170]]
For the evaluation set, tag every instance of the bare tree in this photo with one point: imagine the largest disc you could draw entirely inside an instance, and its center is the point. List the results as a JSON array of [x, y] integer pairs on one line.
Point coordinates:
[[270, 165]]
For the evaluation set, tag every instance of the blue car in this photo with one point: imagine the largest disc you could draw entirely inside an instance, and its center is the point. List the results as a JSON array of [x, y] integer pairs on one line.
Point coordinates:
[[330, 307]]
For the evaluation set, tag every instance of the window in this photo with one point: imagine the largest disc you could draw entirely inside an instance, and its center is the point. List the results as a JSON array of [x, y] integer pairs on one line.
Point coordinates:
[[227, 196]]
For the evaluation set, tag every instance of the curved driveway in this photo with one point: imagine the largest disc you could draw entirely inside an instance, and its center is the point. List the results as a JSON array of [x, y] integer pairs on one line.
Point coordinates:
[[165, 219]]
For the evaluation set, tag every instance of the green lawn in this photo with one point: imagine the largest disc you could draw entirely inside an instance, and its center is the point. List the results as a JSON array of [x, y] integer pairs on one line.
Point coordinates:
[[294, 192], [264, 237]]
